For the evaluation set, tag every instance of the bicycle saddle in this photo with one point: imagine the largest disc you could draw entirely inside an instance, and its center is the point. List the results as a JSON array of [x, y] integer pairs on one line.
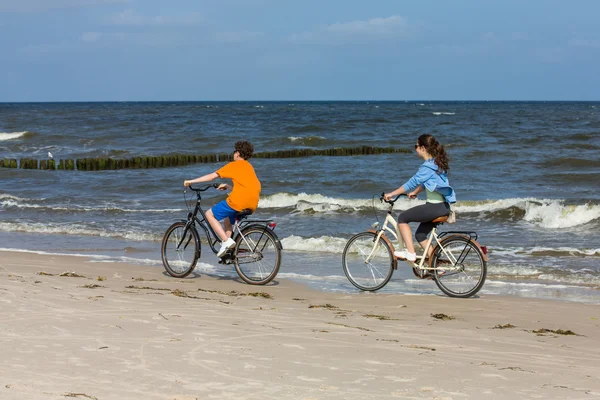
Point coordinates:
[[440, 220], [240, 215]]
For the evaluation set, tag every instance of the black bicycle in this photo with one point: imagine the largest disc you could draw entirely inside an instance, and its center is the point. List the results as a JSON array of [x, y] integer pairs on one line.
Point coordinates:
[[256, 254]]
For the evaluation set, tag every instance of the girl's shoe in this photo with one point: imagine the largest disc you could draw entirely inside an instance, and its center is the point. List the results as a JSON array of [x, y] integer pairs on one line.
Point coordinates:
[[405, 255]]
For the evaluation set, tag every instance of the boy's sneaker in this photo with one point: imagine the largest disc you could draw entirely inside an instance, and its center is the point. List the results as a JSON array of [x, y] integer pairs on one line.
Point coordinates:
[[405, 255], [224, 246]]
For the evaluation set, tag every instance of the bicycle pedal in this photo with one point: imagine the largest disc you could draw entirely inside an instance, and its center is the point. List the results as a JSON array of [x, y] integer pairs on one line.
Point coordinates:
[[225, 260]]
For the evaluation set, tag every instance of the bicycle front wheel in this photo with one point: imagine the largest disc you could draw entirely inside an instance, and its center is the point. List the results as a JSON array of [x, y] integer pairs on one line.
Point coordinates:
[[368, 265], [257, 255], [180, 250], [459, 267]]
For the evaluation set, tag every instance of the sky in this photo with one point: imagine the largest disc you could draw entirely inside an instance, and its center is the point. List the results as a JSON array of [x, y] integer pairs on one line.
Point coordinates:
[[200, 50]]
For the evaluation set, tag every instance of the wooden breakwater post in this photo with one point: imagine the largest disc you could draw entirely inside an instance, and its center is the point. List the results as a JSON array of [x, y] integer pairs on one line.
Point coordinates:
[[28, 163], [47, 164], [174, 160], [68, 165]]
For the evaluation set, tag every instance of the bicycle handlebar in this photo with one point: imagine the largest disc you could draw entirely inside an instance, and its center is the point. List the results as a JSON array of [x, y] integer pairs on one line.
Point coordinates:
[[391, 201], [204, 188]]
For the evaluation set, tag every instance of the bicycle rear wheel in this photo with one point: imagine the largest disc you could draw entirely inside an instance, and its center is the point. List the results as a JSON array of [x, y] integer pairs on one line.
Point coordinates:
[[375, 273], [257, 255], [465, 265], [180, 250]]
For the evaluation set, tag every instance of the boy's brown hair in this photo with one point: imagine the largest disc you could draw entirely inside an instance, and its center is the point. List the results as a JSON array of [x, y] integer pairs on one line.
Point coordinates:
[[245, 148]]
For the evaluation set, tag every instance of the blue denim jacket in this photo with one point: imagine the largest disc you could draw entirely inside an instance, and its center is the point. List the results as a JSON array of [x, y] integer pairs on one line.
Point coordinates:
[[432, 180]]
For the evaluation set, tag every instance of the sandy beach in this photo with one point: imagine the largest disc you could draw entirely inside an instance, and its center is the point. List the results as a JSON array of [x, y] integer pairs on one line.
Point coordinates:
[[71, 328]]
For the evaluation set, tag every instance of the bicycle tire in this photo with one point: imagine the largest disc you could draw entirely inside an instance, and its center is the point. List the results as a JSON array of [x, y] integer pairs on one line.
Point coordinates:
[[257, 255], [472, 267], [179, 263], [377, 273]]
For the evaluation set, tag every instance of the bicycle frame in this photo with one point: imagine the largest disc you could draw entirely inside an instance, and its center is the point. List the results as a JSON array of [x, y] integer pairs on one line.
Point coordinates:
[[396, 234], [211, 235]]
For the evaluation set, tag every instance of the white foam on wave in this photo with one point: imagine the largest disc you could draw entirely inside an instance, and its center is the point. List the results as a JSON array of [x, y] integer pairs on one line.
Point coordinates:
[[40, 252], [11, 136], [443, 113], [12, 203], [555, 214], [545, 213], [546, 251], [97, 258], [322, 244], [8, 201], [305, 138], [304, 201], [79, 230], [491, 205]]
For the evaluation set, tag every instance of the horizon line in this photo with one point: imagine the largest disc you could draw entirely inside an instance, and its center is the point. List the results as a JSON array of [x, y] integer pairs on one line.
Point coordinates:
[[292, 101]]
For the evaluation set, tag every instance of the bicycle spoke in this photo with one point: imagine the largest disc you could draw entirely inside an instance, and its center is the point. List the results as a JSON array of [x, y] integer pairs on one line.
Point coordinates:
[[257, 256], [179, 258], [466, 274], [368, 265]]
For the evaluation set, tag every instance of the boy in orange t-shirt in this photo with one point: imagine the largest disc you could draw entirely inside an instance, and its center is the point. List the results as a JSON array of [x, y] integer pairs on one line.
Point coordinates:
[[244, 193]]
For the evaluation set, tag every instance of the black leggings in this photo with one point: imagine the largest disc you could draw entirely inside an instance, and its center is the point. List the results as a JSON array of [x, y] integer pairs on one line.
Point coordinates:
[[424, 214]]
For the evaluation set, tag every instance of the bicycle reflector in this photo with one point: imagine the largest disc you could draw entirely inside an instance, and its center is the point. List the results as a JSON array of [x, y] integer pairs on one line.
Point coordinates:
[[484, 249], [272, 225]]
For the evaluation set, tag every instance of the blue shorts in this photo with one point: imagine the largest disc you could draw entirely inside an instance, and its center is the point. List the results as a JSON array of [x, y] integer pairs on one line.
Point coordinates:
[[222, 210]]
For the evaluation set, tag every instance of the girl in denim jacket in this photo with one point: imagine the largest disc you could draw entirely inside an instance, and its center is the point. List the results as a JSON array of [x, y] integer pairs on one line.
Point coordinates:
[[432, 178]]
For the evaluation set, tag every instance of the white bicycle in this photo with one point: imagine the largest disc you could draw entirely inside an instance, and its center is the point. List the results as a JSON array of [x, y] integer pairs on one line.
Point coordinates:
[[458, 264]]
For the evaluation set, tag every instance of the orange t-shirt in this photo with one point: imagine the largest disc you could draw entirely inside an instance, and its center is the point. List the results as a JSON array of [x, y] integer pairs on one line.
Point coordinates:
[[246, 186]]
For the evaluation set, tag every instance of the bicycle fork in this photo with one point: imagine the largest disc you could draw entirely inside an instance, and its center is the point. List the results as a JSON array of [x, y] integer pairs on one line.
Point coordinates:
[[185, 231]]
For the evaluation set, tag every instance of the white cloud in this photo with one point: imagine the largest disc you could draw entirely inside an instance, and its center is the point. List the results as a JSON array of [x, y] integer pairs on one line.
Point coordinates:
[[237, 37], [371, 26], [91, 36], [44, 5], [594, 44], [520, 36], [131, 18], [489, 36], [394, 26], [550, 55]]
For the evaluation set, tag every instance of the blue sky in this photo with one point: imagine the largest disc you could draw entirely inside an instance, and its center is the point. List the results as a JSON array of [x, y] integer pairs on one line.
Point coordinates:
[[101, 50]]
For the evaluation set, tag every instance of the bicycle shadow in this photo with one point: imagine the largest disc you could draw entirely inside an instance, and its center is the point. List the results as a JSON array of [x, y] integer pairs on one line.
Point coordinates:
[[237, 279]]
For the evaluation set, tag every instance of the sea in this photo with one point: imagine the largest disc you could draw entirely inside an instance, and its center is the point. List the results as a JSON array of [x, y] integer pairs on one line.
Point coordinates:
[[526, 174]]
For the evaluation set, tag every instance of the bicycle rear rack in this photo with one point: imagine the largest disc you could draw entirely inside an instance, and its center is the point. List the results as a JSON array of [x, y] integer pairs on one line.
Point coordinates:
[[470, 234]]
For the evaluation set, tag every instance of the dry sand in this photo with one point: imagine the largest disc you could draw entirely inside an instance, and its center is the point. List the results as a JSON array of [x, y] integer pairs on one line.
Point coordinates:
[[139, 334]]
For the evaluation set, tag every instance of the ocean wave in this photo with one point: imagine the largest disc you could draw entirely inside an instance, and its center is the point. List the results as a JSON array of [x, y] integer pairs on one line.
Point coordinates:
[[443, 113], [13, 135], [77, 230], [98, 258], [571, 163], [8, 201], [556, 214], [321, 203], [378, 120], [540, 251], [307, 140], [551, 275], [545, 213], [322, 244], [306, 128]]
